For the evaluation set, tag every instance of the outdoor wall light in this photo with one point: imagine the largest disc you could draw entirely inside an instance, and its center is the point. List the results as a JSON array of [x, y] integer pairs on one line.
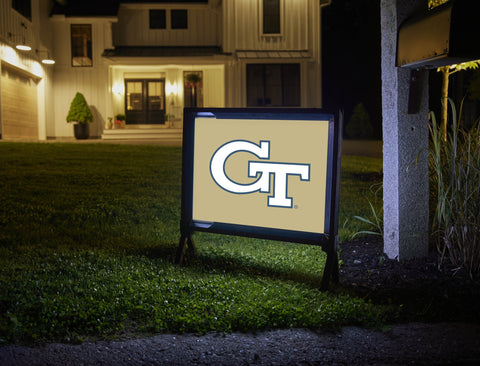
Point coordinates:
[[118, 89], [20, 42], [47, 60], [172, 88], [23, 47]]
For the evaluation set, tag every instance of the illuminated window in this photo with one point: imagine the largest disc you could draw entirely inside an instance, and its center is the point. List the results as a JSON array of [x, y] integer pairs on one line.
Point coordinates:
[[192, 89], [145, 101], [81, 45]]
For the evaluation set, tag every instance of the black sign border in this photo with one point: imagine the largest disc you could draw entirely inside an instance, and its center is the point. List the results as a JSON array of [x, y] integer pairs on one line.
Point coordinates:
[[328, 240]]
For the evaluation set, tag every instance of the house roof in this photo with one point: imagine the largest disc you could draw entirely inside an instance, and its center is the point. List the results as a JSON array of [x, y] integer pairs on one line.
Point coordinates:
[[85, 8], [162, 51], [89, 8]]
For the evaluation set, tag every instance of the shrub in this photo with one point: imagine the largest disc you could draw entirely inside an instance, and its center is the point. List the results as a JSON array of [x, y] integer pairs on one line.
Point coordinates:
[[455, 178], [359, 125], [79, 110]]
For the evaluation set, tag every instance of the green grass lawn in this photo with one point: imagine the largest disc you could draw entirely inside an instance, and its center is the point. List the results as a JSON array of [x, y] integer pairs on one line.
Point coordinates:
[[88, 234]]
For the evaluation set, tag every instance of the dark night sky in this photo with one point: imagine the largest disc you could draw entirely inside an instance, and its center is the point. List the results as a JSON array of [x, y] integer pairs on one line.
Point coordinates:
[[351, 58]]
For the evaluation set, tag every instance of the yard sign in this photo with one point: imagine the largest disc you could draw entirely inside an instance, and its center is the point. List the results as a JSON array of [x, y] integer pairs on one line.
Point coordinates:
[[264, 173]]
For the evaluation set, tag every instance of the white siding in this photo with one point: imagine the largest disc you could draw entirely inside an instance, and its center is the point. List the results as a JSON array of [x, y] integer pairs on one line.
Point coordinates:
[[93, 85], [133, 28], [214, 88], [37, 34], [92, 81], [300, 31], [242, 25]]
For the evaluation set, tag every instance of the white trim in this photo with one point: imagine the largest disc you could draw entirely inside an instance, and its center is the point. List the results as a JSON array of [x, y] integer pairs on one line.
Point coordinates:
[[162, 61], [83, 20]]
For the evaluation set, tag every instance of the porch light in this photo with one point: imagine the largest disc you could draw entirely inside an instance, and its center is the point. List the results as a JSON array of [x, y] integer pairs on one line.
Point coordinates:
[[172, 88], [118, 89]]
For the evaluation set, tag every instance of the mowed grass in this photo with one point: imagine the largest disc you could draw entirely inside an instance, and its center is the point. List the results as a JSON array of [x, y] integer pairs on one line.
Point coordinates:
[[88, 234]]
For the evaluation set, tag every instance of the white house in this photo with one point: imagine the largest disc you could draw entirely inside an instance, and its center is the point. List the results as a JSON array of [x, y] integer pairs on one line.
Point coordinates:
[[147, 60]]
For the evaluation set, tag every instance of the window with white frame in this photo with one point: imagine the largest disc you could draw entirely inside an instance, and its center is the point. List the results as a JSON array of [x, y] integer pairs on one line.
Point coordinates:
[[271, 17], [192, 88], [81, 41]]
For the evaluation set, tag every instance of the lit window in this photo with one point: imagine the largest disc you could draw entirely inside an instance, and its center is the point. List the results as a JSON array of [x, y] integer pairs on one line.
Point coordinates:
[[192, 89], [81, 45]]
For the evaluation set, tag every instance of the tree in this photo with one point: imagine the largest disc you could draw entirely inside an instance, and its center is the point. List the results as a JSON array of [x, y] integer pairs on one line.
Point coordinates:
[[446, 72], [359, 125]]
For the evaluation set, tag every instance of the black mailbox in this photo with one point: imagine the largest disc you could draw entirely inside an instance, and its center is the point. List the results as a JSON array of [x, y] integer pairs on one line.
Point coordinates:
[[446, 35]]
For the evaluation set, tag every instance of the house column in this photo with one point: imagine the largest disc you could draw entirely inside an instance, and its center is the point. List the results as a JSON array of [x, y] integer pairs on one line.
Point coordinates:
[[405, 145]]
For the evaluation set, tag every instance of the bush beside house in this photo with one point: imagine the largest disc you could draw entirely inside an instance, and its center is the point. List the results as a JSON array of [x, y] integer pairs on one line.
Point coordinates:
[[81, 114]]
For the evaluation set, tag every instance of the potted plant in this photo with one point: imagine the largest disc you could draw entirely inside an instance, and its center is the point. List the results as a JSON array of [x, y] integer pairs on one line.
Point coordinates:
[[120, 120], [81, 115]]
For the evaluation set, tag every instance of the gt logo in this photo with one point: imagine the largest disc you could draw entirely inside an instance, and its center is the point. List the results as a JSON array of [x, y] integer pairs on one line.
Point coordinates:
[[263, 170]]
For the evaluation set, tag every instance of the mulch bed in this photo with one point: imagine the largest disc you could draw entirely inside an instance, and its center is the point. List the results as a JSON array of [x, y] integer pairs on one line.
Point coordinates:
[[425, 292]]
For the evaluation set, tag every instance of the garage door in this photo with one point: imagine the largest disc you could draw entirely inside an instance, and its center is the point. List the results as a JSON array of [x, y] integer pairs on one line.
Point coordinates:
[[19, 118]]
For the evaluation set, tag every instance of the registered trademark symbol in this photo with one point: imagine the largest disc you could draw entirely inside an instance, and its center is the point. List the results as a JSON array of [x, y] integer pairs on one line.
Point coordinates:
[[295, 207]]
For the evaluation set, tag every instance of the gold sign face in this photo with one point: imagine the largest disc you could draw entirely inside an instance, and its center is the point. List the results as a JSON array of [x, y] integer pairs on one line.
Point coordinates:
[[264, 173]]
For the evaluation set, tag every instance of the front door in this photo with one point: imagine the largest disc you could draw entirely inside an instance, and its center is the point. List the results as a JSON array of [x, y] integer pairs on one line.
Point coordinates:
[[145, 101]]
